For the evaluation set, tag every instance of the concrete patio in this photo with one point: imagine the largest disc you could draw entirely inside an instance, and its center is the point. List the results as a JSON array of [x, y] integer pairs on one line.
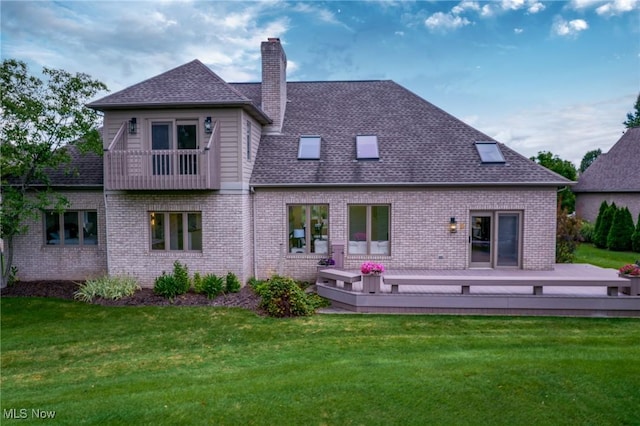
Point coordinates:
[[568, 290]]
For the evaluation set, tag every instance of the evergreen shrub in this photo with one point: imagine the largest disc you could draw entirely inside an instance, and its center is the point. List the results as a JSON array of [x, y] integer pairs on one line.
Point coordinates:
[[606, 219], [635, 237], [619, 237]]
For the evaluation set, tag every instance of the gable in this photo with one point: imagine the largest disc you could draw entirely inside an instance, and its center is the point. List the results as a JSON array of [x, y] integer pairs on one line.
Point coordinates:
[[189, 85]]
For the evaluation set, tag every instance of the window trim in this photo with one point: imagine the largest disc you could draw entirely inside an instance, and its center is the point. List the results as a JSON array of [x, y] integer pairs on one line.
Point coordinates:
[[167, 230], [368, 230], [308, 235], [173, 131], [248, 136], [81, 226]]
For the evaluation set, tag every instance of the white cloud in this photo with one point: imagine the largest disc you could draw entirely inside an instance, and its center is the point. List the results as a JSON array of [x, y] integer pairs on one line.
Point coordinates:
[[512, 4], [584, 4], [465, 5], [617, 7], [518, 30], [445, 21], [568, 28], [535, 7]]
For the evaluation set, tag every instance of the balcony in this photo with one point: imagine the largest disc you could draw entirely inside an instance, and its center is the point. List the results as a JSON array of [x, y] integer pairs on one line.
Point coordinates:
[[184, 169]]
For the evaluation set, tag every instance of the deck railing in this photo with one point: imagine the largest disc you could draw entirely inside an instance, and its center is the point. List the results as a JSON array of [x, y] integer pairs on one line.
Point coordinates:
[[126, 169]]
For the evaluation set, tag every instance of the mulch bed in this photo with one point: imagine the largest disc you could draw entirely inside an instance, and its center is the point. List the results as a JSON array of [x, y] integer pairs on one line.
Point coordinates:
[[246, 298]]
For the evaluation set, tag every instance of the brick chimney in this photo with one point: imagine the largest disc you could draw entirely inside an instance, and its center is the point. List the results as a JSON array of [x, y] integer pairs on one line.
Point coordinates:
[[274, 82]]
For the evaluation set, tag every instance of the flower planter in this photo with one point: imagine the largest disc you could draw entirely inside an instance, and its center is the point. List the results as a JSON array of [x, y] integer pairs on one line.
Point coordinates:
[[371, 283], [634, 289]]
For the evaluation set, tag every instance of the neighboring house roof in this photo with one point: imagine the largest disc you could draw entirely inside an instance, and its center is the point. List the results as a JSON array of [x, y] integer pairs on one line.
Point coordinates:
[[419, 144], [616, 171], [190, 85]]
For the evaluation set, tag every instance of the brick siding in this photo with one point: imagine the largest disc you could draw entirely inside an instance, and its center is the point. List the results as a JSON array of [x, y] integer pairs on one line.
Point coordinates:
[[419, 226], [35, 260]]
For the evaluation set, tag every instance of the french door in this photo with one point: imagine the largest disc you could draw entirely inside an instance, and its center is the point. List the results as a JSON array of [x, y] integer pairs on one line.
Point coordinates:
[[495, 239]]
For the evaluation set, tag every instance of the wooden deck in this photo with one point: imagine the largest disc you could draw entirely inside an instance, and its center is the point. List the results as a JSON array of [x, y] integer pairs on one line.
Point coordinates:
[[569, 290]]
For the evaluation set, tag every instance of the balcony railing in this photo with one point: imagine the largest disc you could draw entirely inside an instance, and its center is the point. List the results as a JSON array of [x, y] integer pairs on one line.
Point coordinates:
[[186, 169]]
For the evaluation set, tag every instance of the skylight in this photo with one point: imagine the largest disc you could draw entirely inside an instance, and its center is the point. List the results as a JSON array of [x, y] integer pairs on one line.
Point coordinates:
[[489, 152], [367, 147], [309, 148]]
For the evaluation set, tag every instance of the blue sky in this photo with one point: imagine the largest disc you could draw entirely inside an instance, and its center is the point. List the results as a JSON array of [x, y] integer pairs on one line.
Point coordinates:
[[555, 76]]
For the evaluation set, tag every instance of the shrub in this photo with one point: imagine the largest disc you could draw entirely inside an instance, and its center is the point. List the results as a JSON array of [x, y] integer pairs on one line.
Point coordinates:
[[567, 237], [586, 231], [166, 285], [619, 237], [232, 284], [635, 237], [282, 297], [197, 283], [600, 237], [596, 229], [115, 287], [212, 285], [181, 274]]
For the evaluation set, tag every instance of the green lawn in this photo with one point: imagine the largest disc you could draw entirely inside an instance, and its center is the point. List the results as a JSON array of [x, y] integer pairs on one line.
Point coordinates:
[[588, 253], [177, 365]]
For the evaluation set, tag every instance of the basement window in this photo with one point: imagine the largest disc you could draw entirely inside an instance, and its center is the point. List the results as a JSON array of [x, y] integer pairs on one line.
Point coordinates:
[[309, 148], [489, 152], [367, 147]]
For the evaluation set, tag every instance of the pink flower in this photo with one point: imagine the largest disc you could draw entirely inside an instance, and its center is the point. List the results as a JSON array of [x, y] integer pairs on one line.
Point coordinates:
[[371, 268], [630, 269]]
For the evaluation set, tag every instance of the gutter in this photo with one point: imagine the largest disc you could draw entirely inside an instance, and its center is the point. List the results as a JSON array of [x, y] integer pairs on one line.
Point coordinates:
[[411, 184]]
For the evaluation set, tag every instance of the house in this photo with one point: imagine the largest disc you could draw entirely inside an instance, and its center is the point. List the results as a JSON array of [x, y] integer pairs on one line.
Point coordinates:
[[271, 177], [612, 177]]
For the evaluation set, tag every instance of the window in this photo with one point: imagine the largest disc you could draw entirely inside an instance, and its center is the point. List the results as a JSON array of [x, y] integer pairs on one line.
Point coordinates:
[[367, 147], [309, 148], [248, 140], [185, 138], [176, 231], [369, 230], [71, 228], [309, 229], [489, 152]]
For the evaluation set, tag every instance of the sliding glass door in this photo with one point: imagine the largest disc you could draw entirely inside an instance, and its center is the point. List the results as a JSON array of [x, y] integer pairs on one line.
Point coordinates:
[[495, 239]]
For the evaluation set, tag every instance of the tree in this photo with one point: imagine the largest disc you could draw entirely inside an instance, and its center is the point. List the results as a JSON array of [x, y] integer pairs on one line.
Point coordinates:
[[567, 236], [619, 237], [633, 119], [39, 119], [635, 237], [603, 208], [605, 225], [589, 158], [567, 198]]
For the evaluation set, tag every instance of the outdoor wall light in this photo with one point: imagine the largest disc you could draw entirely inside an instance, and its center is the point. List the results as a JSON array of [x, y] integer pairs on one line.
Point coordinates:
[[133, 125], [453, 225], [207, 125]]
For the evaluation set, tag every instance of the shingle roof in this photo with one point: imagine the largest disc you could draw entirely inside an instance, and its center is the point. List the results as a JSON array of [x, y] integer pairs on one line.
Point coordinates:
[[616, 171], [84, 170], [191, 84], [419, 143]]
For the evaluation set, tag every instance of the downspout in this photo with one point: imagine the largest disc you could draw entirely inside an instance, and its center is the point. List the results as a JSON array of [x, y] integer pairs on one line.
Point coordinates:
[[106, 232], [252, 193]]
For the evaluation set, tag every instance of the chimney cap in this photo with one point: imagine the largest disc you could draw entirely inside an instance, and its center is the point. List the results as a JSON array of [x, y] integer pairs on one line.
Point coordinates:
[[273, 39]]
